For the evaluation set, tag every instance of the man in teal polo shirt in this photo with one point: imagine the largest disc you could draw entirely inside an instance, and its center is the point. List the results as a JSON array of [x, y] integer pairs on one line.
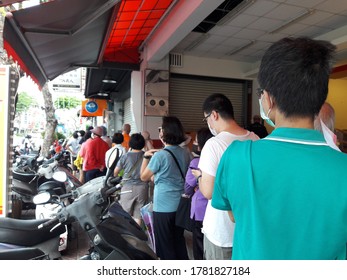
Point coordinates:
[[288, 191]]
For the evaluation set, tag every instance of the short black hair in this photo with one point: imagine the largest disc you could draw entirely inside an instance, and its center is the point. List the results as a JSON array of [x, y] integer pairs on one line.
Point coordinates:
[[75, 134], [173, 132], [137, 141], [85, 137], [117, 138], [220, 103], [295, 72], [202, 136]]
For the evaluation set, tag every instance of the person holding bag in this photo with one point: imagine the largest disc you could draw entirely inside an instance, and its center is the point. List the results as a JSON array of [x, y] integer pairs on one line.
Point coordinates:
[[169, 186]]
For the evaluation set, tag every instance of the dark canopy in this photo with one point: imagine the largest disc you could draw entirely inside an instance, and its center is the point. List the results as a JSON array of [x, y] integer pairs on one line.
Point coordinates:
[[59, 36]]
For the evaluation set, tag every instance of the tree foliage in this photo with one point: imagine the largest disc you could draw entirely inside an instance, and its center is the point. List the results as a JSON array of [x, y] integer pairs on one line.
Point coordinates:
[[67, 102], [25, 102]]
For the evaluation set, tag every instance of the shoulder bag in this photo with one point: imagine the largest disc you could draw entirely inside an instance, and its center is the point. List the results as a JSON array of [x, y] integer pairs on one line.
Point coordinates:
[[183, 210]]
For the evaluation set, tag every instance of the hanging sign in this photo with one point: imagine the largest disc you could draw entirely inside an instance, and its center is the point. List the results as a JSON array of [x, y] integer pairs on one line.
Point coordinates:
[[93, 107], [69, 80]]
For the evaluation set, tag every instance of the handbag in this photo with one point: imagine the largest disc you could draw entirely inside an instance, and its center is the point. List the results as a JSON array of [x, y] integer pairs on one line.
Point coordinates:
[[147, 216], [183, 210], [183, 213]]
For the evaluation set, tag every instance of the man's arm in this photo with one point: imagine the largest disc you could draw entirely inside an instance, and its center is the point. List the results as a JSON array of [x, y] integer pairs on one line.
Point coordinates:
[[231, 216], [206, 183]]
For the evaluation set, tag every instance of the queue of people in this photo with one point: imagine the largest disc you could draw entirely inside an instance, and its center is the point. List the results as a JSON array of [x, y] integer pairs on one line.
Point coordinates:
[[255, 195], [267, 196]]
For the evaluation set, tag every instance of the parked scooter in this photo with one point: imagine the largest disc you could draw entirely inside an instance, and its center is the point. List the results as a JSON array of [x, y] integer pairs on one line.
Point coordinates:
[[31, 172], [49, 210], [22, 239], [112, 231]]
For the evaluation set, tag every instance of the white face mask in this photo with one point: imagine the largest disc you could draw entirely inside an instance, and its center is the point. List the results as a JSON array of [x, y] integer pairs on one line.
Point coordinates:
[[263, 116], [213, 131], [329, 136]]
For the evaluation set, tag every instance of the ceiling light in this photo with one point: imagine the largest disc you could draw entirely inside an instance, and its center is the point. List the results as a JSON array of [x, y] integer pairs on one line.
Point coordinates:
[[240, 48], [306, 13], [102, 94], [197, 42], [109, 80], [236, 11]]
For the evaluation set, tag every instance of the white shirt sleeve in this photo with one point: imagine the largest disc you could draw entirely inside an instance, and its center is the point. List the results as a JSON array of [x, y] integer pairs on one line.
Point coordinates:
[[209, 159]]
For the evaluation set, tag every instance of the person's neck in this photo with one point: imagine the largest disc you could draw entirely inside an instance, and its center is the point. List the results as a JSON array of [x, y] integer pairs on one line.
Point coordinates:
[[293, 122], [232, 127]]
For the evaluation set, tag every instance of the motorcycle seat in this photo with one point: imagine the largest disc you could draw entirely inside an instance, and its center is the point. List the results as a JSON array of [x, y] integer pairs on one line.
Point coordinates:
[[54, 187], [23, 176], [26, 232], [29, 156], [22, 254]]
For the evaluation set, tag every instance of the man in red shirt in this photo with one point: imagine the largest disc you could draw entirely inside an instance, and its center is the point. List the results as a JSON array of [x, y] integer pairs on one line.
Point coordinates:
[[93, 155]]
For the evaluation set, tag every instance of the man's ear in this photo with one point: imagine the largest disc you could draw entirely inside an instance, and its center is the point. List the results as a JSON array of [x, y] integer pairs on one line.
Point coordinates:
[[269, 101], [215, 115]]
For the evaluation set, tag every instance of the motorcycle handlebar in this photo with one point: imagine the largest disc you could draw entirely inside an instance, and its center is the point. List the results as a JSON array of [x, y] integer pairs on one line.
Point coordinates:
[[68, 195], [58, 156], [113, 189]]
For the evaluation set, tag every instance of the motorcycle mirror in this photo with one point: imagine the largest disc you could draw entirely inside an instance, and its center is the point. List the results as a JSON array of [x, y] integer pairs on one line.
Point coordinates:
[[112, 157], [60, 176], [40, 158], [42, 198]]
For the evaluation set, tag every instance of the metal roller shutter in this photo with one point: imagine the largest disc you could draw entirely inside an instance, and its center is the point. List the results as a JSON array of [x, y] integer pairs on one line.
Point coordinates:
[[129, 116], [187, 94]]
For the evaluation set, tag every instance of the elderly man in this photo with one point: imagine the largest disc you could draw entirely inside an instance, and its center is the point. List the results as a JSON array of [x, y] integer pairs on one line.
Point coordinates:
[[126, 135], [93, 154]]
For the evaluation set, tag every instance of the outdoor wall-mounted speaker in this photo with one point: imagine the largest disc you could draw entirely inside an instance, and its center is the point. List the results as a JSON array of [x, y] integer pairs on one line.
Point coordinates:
[[157, 105], [157, 93]]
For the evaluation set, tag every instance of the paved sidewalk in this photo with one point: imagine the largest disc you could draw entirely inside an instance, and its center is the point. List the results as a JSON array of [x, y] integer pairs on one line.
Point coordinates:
[[79, 243]]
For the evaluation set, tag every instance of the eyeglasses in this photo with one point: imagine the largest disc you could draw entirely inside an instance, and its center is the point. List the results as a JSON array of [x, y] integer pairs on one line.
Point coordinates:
[[259, 92], [205, 118], [160, 128]]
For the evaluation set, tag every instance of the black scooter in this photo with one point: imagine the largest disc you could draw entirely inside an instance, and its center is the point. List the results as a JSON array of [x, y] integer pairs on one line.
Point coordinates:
[[112, 231], [29, 173]]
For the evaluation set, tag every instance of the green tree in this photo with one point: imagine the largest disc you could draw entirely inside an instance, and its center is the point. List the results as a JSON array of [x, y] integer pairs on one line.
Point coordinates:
[[67, 102], [25, 102]]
